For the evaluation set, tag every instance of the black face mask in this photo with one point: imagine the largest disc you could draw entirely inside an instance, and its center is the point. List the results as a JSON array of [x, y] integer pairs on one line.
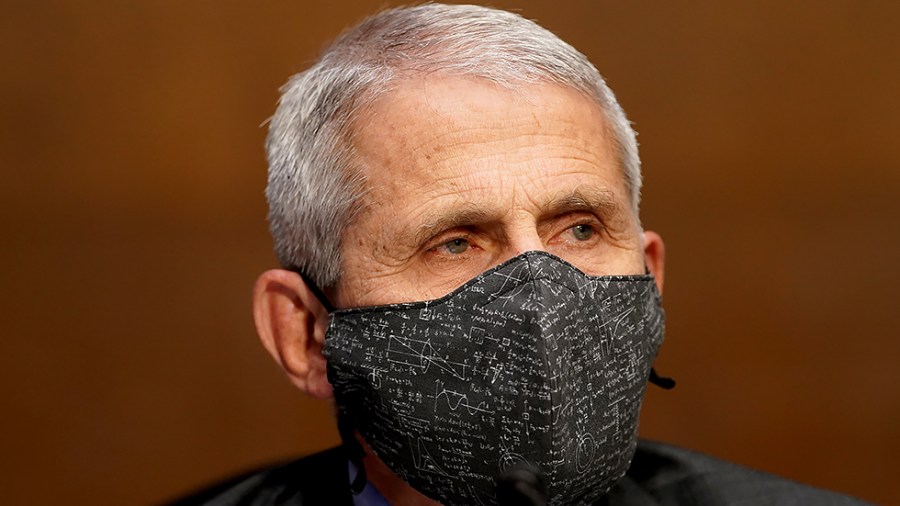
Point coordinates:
[[531, 365]]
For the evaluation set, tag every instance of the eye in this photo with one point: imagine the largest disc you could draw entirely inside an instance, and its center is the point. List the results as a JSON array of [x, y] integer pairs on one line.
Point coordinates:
[[582, 232], [456, 246]]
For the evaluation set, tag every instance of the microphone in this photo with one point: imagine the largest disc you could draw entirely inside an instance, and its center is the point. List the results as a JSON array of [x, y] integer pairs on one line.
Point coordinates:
[[521, 484]]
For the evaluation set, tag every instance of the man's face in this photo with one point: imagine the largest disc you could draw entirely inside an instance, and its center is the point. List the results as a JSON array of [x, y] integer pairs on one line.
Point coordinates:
[[463, 175]]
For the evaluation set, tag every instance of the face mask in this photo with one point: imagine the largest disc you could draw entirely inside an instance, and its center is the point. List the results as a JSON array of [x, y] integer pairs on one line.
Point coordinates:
[[532, 363]]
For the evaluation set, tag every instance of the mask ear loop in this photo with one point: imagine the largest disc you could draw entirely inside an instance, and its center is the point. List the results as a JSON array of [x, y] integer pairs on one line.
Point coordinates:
[[346, 423], [355, 452], [663, 382], [314, 288]]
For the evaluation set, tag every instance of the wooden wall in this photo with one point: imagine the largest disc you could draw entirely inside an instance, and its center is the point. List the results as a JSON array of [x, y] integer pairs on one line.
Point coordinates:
[[133, 226]]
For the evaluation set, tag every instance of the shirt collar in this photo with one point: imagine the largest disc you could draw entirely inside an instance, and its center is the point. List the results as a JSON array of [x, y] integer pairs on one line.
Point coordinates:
[[370, 496]]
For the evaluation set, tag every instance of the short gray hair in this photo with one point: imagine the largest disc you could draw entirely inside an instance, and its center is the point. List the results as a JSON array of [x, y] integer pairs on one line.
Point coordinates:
[[314, 187]]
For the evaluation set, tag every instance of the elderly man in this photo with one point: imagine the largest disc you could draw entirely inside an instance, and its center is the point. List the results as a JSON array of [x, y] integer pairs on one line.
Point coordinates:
[[453, 195]]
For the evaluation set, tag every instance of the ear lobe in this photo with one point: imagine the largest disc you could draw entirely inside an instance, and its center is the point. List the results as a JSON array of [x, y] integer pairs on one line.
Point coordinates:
[[655, 257], [291, 324]]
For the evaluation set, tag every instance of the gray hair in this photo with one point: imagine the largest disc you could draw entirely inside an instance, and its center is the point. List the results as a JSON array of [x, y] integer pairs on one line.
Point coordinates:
[[314, 187]]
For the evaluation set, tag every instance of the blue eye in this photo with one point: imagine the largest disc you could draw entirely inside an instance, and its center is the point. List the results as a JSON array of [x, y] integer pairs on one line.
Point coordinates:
[[457, 246], [582, 232]]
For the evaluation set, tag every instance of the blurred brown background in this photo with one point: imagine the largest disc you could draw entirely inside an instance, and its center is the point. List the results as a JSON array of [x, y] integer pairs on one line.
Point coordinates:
[[133, 226]]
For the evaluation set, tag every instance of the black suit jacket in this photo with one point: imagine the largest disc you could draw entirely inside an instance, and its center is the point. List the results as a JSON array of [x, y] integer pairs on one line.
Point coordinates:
[[659, 475]]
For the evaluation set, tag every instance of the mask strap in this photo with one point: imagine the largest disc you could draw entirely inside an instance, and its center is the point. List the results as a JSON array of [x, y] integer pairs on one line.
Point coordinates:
[[346, 426], [314, 288], [661, 381], [355, 452]]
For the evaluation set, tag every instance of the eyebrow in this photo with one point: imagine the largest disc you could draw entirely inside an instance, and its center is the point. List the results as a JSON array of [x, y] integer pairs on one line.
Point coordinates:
[[597, 201], [453, 219]]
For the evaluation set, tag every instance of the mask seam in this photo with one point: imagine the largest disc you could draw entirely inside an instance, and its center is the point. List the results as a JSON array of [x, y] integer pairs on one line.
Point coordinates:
[[547, 374]]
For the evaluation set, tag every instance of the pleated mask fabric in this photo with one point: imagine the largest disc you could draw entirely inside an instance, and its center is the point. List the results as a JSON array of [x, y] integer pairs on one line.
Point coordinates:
[[532, 361]]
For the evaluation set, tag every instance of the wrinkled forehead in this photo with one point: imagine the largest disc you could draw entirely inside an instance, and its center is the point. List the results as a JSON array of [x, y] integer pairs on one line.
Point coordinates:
[[442, 153], [423, 123]]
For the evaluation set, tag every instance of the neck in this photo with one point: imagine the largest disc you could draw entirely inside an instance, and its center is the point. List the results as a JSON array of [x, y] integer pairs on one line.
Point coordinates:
[[389, 485]]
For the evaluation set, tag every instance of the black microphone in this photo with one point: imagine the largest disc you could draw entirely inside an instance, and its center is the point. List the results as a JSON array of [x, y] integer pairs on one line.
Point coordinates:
[[521, 484]]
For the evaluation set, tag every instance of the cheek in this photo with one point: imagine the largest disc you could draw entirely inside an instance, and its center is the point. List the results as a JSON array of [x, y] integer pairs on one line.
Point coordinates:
[[374, 280], [432, 282], [394, 289], [356, 290], [362, 277], [604, 257]]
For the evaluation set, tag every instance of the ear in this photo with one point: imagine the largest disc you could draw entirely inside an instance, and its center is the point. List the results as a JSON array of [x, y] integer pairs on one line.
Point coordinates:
[[655, 257], [291, 323]]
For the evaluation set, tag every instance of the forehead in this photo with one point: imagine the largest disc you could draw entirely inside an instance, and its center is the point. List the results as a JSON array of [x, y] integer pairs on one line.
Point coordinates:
[[433, 140], [426, 113]]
